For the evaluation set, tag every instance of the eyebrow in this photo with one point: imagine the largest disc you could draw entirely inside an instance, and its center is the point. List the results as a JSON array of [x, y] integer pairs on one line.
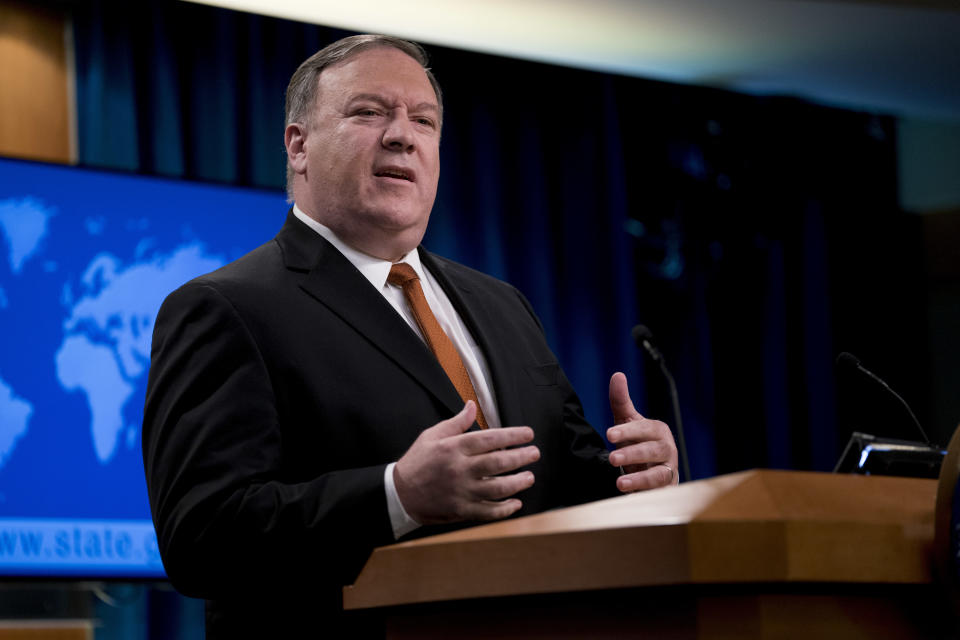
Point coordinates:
[[373, 97]]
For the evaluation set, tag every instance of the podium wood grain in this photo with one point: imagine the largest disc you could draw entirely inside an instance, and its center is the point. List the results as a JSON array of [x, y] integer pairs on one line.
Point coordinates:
[[761, 527], [758, 554]]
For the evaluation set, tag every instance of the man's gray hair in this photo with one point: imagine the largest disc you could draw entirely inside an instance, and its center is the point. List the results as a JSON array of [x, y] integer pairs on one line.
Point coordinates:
[[302, 90]]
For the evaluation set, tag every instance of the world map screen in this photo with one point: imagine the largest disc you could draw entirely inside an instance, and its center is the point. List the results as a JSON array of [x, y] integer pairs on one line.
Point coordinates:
[[86, 258]]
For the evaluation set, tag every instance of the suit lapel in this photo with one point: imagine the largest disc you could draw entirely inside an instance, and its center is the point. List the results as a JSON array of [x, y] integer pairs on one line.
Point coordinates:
[[333, 281], [481, 319]]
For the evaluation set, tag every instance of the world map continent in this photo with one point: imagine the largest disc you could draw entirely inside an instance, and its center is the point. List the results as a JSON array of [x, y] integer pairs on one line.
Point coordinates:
[[107, 335], [23, 225]]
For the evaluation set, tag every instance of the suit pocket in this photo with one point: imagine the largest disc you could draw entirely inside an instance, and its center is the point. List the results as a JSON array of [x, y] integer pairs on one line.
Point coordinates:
[[544, 375]]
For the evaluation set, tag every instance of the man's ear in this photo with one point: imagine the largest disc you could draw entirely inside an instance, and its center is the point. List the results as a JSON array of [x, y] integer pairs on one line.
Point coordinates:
[[295, 138]]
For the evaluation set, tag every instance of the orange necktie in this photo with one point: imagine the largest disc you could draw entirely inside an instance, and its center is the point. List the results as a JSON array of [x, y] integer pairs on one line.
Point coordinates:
[[402, 275]]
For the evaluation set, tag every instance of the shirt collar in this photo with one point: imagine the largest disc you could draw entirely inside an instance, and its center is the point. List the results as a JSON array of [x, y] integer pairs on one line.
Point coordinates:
[[373, 269]]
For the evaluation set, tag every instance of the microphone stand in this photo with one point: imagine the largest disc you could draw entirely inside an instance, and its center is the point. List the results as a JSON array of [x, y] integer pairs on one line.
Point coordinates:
[[675, 402], [644, 338]]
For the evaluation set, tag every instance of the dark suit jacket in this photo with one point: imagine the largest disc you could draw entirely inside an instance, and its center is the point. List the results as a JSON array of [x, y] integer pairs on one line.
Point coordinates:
[[282, 384]]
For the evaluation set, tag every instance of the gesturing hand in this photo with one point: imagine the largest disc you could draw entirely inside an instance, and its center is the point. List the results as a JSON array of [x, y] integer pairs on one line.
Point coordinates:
[[448, 475], [645, 448]]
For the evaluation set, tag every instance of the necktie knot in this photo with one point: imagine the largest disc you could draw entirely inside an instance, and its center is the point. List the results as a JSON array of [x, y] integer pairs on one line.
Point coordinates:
[[400, 274]]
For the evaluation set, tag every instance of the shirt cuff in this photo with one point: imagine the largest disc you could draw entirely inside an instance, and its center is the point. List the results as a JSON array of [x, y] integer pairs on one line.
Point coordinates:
[[400, 520]]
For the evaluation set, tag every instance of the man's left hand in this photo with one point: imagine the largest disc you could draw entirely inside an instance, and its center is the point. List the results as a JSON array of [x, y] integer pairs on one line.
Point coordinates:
[[645, 448]]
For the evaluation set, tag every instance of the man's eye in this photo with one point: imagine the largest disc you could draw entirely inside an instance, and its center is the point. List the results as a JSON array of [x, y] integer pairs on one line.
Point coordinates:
[[367, 112], [427, 122]]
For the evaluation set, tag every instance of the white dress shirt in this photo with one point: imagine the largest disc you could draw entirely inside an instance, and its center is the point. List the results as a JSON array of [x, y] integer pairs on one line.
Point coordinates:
[[376, 271]]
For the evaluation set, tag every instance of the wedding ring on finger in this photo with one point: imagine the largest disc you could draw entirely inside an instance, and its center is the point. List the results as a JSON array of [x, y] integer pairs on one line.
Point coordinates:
[[673, 473]]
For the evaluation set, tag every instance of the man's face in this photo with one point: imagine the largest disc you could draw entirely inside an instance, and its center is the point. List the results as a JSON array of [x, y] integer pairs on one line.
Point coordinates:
[[372, 148]]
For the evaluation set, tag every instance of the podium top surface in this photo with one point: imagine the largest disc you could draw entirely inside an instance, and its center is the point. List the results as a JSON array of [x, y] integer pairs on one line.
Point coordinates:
[[753, 526]]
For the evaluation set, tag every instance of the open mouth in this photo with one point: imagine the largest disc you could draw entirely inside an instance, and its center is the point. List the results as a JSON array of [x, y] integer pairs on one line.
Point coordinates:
[[397, 173]]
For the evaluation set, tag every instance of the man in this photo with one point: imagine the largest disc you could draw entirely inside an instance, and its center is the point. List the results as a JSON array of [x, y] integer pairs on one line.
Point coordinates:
[[313, 400]]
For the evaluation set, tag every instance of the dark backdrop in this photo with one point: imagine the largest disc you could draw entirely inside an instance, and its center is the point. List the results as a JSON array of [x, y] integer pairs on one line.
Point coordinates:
[[757, 237]]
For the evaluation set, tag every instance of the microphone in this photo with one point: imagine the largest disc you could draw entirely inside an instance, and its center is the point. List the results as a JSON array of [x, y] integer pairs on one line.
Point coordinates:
[[644, 339], [850, 361]]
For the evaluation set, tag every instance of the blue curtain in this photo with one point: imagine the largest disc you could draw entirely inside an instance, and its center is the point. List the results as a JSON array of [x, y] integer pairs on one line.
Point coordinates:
[[755, 236]]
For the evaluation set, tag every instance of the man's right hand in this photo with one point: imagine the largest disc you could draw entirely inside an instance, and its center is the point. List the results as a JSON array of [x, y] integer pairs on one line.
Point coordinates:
[[448, 475]]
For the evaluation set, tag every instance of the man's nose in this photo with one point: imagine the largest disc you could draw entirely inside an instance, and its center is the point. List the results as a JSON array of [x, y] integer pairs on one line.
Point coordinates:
[[398, 136]]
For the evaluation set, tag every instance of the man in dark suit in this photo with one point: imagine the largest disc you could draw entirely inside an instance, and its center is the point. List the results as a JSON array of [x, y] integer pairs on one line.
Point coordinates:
[[313, 400]]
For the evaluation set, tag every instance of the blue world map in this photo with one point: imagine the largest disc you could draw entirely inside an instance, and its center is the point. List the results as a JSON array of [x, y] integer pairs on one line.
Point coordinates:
[[86, 259], [110, 308]]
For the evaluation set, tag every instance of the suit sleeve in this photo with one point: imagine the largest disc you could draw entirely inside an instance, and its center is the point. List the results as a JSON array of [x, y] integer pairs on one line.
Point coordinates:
[[226, 517]]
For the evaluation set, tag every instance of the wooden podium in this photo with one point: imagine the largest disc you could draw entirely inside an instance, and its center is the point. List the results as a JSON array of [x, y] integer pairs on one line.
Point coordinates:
[[746, 555]]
